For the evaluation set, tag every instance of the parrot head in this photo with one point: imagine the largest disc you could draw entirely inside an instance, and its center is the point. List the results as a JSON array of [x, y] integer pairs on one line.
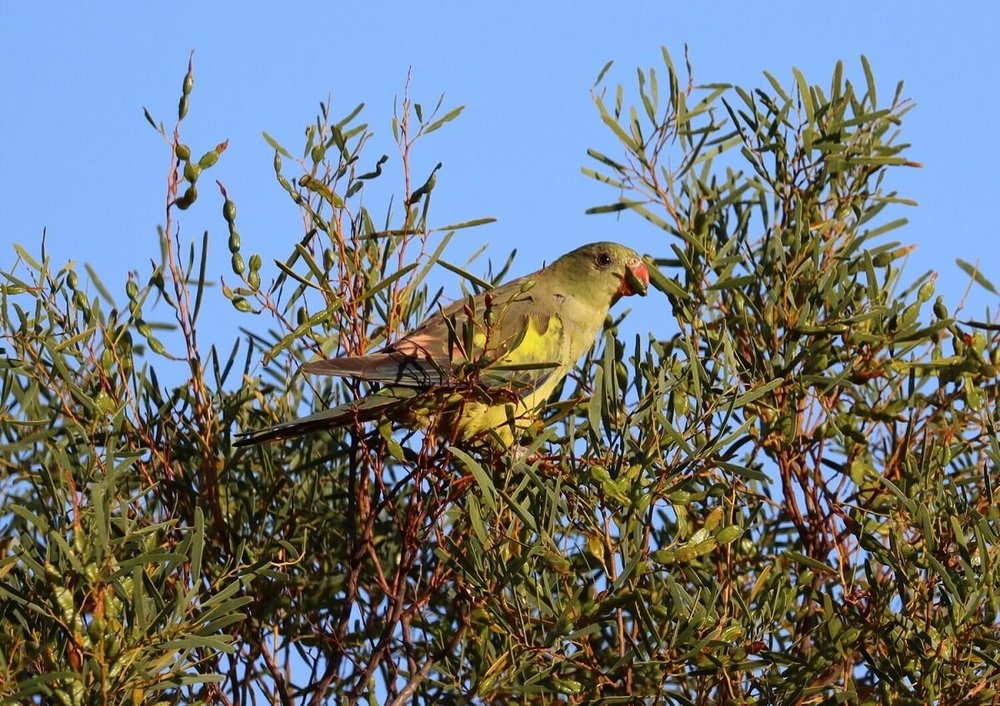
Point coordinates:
[[605, 271]]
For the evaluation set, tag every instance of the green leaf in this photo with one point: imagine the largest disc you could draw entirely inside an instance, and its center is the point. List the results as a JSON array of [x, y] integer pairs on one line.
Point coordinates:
[[486, 486], [976, 275]]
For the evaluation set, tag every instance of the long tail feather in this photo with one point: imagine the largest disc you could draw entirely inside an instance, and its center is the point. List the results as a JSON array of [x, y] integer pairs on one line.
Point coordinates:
[[365, 410], [327, 419]]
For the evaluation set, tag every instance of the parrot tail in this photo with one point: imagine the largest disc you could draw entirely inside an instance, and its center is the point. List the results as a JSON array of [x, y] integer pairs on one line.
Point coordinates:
[[367, 409], [327, 419]]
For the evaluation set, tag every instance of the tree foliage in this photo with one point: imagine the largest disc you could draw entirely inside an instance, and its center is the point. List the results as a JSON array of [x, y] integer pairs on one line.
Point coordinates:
[[784, 495]]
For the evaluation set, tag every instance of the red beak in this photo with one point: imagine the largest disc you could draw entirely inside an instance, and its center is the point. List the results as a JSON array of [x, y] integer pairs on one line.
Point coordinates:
[[636, 279]]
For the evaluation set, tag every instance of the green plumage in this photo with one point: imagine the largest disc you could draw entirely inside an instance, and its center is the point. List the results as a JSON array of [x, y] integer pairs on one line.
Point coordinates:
[[462, 376]]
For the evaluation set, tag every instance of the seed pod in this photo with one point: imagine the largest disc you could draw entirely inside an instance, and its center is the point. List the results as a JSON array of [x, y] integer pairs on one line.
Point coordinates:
[[255, 262], [242, 304], [238, 265], [107, 359], [940, 310], [621, 373], [80, 299], [105, 405], [253, 279], [157, 347], [131, 289], [729, 534], [208, 159], [883, 258], [229, 211], [188, 198], [926, 291], [234, 242], [183, 152], [191, 171]]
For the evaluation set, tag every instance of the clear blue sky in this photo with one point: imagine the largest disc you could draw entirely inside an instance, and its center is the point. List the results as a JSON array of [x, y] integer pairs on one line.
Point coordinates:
[[80, 160]]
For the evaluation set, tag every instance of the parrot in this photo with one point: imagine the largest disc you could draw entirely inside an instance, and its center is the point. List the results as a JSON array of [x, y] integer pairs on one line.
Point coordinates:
[[483, 365]]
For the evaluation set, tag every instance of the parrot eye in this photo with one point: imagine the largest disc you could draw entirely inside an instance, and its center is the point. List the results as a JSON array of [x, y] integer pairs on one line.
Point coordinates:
[[602, 259]]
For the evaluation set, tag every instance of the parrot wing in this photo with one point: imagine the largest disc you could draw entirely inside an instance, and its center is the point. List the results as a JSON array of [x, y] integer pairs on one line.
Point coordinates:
[[516, 348]]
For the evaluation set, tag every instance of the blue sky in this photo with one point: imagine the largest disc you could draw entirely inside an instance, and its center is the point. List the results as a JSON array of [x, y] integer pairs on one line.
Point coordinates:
[[81, 161]]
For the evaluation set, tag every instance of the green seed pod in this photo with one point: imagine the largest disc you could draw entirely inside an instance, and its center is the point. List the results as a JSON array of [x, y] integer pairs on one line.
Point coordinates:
[[729, 534], [157, 346], [188, 83], [238, 265], [105, 404], [234, 242], [242, 304], [599, 474], [883, 259], [107, 359], [621, 372], [277, 162], [188, 198], [926, 291], [191, 171], [183, 152], [940, 310], [131, 289], [973, 395], [229, 211], [208, 159], [182, 108], [255, 262], [569, 687], [80, 299], [253, 279]]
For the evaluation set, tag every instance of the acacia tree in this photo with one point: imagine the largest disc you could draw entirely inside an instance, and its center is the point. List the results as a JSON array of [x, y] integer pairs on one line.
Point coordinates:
[[785, 496]]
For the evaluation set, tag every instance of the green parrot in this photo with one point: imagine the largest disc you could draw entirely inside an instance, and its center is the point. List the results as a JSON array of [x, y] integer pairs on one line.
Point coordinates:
[[483, 367]]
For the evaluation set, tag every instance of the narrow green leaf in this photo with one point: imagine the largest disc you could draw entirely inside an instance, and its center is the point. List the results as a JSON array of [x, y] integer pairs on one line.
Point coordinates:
[[446, 118], [977, 276], [479, 282], [482, 478], [275, 146]]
